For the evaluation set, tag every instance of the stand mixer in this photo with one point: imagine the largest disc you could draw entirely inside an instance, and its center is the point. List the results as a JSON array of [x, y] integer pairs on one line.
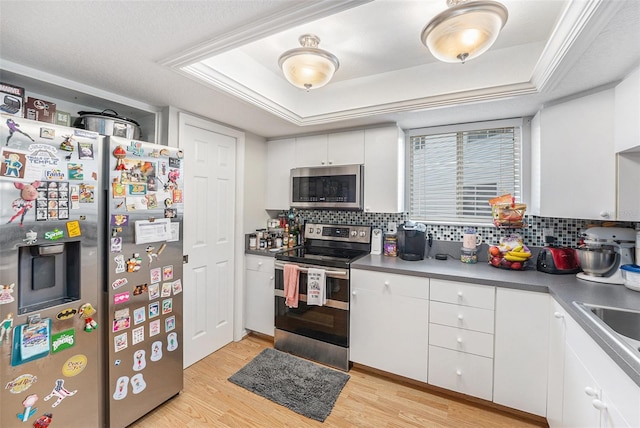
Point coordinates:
[[605, 249]]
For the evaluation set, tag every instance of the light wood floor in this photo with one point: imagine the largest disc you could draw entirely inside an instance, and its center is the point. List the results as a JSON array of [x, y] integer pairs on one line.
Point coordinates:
[[367, 400]]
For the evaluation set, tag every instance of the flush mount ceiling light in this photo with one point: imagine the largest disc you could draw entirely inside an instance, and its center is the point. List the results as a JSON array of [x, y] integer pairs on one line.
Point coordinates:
[[465, 30], [308, 67]]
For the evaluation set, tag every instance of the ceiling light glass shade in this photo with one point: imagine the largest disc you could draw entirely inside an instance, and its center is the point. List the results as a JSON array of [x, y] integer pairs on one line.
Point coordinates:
[[308, 67], [465, 31]]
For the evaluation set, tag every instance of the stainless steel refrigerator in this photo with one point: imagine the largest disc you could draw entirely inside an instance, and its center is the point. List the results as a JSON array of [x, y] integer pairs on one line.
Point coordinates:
[[144, 277], [50, 238], [90, 276]]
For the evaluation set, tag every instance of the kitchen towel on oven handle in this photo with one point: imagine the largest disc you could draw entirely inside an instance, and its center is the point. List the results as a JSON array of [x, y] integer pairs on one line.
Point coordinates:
[[316, 287], [291, 285]]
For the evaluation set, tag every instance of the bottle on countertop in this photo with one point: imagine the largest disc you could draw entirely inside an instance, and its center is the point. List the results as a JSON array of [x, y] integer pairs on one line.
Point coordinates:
[[285, 237]]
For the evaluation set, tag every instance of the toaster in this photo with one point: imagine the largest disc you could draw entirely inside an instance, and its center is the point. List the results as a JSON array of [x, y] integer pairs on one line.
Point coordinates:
[[558, 260]]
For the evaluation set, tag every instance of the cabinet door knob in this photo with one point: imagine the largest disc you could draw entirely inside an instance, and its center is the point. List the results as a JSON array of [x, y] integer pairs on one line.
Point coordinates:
[[459, 340], [591, 392], [600, 405], [330, 162], [459, 372], [271, 278], [321, 162], [354, 292], [386, 283], [558, 315], [604, 214], [460, 317], [459, 293], [259, 263]]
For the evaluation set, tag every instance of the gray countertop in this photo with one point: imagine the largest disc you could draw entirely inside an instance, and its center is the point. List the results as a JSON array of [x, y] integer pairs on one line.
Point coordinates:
[[564, 288]]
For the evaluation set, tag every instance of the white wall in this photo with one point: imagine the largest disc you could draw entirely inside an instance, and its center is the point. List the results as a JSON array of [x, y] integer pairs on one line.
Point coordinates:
[[256, 169]]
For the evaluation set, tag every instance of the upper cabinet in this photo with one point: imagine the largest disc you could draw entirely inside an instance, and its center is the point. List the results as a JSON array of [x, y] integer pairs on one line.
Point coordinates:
[[280, 160], [343, 148], [381, 150], [573, 162], [627, 109], [384, 170]]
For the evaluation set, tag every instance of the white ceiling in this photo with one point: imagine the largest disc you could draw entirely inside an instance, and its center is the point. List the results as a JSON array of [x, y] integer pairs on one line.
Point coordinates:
[[135, 49]]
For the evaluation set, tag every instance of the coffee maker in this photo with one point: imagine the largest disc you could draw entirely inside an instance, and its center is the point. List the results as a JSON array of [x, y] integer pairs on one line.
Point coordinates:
[[412, 241], [605, 249]]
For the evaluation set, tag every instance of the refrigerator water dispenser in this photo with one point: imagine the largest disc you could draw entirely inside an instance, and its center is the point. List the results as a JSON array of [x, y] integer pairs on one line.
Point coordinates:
[[49, 275]]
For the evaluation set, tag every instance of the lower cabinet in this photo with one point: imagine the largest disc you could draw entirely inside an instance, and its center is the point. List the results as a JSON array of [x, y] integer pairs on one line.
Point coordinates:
[[521, 350], [461, 326], [389, 317], [596, 392], [259, 294]]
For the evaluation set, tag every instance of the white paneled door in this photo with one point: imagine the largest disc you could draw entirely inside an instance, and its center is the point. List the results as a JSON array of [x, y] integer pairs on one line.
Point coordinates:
[[209, 224]]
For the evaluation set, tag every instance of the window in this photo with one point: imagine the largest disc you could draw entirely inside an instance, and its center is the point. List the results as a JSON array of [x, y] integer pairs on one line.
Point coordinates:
[[454, 171]]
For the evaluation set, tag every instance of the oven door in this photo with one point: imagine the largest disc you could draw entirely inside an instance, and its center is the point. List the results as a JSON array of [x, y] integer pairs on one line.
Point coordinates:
[[328, 323]]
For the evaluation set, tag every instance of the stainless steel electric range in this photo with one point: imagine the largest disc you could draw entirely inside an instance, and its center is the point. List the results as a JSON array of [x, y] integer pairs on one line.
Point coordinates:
[[320, 333]]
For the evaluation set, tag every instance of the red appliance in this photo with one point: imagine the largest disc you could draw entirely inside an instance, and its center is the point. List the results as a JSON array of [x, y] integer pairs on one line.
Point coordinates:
[[558, 260]]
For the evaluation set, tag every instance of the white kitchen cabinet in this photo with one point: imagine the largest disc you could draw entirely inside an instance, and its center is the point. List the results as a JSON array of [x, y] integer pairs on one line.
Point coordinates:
[[461, 337], [346, 148], [384, 172], [389, 322], [341, 148], [628, 178], [555, 382], [259, 294], [461, 372], [573, 170], [617, 402], [521, 350], [280, 160], [580, 389], [627, 113]]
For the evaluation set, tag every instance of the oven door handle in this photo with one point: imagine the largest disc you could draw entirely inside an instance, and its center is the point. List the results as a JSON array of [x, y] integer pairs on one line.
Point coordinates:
[[328, 272], [335, 304]]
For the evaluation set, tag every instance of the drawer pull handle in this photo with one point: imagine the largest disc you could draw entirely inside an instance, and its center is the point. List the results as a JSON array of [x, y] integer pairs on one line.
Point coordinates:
[[354, 292], [591, 392], [271, 278], [460, 294], [386, 283], [459, 372], [600, 405], [459, 340], [558, 315], [259, 263], [460, 317]]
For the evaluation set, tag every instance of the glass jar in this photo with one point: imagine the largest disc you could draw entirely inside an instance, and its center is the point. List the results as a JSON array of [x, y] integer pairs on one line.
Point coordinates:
[[468, 255]]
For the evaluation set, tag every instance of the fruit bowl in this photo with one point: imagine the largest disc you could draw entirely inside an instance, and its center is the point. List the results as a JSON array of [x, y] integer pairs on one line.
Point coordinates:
[[516, 259]]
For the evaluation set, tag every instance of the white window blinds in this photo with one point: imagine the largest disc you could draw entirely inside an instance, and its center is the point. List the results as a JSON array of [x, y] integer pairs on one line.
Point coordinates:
[[454, 174]]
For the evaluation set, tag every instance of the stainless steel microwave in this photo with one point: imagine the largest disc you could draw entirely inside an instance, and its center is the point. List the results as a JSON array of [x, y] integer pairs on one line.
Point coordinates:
[[332, 187]]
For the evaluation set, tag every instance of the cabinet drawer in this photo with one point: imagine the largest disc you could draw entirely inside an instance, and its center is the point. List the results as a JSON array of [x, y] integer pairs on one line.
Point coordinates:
[[259, 263], [459, 339], [460, 293], [461, 372], [390, 283], [461, 316]]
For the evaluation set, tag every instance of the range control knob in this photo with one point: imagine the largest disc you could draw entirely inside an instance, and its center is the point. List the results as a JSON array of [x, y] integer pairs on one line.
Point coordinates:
[[363, 233], [310, 231], [318, 230], [354, 233]]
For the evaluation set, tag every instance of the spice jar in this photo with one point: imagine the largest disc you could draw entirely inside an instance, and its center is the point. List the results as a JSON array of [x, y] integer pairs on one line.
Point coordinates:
[[253, 242]]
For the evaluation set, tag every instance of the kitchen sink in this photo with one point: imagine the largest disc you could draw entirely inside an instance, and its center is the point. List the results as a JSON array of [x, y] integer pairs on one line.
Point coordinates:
[[621, 325]]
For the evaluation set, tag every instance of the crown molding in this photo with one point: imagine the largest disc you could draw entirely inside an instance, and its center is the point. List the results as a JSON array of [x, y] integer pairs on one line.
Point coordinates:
[[579, 25], [266, 26], [224, 83]]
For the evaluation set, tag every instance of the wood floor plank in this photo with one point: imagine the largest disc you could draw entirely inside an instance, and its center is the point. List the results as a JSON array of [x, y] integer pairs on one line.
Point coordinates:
[[368, 400]]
